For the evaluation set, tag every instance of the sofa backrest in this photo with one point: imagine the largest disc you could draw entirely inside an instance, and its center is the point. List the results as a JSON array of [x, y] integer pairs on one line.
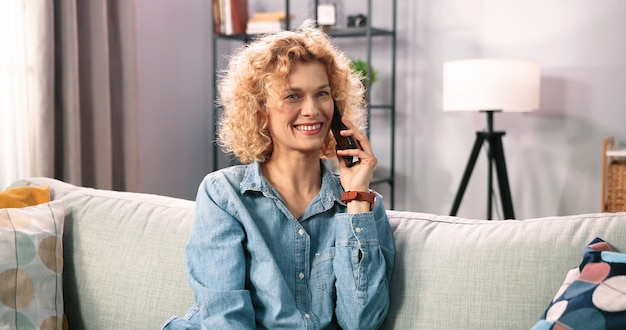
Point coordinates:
[[124, 262], [454, 273]]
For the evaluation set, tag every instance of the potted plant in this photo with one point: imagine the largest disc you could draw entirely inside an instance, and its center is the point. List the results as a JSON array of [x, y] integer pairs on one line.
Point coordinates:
[[360, 67]]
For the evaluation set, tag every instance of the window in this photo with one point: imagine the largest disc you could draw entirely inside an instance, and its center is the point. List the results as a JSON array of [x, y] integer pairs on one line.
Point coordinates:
[[20, 87]]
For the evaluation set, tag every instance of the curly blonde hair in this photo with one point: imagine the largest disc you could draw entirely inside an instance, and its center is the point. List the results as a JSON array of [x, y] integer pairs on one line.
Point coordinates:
[[264, 65]]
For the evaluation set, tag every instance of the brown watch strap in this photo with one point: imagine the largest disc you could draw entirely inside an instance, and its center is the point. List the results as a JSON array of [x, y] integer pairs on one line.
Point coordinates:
[[349, 196]]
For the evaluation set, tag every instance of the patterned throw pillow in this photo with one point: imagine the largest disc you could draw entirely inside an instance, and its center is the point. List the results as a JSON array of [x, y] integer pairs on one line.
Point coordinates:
[[31, 265], [593, 296]]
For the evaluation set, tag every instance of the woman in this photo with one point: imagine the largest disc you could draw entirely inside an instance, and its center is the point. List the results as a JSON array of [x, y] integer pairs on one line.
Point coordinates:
[[273, 245]]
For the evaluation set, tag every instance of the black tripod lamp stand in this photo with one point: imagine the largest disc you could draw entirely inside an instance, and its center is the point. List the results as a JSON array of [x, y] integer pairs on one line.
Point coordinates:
[[489, 86]]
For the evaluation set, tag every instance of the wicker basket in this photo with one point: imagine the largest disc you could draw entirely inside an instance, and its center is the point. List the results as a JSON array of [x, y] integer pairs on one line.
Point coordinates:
[[616, 186]]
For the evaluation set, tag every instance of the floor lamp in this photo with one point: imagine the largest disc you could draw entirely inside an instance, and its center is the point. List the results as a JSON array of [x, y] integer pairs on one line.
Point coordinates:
[[490, 86]]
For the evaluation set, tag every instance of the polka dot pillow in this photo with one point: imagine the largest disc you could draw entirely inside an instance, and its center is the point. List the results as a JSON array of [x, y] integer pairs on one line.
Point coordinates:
[[593, 296], [31, 263]]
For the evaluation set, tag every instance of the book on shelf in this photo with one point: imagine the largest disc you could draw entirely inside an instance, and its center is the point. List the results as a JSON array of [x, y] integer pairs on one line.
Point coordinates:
[[216, 17], [267, 22], [230, 16]]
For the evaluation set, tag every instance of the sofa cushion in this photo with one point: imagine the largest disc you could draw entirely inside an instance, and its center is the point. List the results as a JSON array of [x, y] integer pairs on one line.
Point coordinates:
[[593, 295], [455, 273], [125, 259], [31, 265]]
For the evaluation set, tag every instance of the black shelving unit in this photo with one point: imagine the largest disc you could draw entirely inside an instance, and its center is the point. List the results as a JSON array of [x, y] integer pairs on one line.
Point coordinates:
[[367, 34]]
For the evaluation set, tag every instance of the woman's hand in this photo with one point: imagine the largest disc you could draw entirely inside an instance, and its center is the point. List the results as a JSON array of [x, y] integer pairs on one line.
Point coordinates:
[[359, 176]]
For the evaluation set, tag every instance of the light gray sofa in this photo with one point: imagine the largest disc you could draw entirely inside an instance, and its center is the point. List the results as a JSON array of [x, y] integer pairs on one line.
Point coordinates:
[[123, 262]]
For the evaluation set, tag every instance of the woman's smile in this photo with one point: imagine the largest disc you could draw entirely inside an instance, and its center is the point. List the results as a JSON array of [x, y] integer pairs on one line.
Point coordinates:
[[312, 128]]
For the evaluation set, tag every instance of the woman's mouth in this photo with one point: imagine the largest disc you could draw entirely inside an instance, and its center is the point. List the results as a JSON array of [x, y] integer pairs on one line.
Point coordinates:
[[308, 128]]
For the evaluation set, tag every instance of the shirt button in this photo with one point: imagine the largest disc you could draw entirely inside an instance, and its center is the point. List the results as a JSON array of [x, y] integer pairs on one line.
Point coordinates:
[[301, 231], [307, 316], [301, 275], [358, 229]]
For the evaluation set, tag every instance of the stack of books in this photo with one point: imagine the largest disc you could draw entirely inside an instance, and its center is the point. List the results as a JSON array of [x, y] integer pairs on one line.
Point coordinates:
[[230, 16], [266, 22]]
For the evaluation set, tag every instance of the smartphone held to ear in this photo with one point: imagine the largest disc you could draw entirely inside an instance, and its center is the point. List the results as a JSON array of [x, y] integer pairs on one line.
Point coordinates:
[[343, 142]]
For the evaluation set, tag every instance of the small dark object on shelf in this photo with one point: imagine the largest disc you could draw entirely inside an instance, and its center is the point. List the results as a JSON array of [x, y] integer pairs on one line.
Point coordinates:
[[357, 20]]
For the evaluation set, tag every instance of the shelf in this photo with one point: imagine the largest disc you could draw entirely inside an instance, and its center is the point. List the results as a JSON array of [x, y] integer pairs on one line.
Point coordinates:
[[365, 36], [237, 37], [336, 33], [358, 32]]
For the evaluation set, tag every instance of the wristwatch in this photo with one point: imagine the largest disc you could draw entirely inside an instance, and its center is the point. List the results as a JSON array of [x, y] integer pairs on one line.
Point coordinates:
[[349, 196]]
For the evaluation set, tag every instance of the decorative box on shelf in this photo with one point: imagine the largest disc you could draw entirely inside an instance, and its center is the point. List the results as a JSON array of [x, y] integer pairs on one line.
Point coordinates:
[[613, 177]]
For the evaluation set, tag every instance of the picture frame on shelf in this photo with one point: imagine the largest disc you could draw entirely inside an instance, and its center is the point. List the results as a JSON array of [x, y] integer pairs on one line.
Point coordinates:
[[329, 13], [326, 14]]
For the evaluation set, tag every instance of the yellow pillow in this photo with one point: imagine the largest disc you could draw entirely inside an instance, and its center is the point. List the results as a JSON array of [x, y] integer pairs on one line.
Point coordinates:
[[24, 196]]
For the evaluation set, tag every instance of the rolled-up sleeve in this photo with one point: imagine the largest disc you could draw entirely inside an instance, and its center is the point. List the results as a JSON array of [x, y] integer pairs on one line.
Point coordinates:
[[363, 264]]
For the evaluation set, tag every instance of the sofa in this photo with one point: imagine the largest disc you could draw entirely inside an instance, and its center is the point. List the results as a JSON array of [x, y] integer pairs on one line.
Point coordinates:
[[123, 262]]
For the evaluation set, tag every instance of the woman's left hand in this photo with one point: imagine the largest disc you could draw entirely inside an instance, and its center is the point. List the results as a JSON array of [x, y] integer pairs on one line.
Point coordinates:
[[359, 176]]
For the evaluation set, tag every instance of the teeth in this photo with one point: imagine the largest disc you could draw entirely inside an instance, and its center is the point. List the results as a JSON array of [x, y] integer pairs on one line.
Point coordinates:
[[309, 127]]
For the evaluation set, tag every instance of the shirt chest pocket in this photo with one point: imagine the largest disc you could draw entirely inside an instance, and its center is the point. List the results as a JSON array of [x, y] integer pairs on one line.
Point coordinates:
[[323, 275]]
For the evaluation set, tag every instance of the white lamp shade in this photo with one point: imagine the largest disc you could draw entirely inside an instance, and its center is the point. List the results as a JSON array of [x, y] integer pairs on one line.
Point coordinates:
[[490, 84]]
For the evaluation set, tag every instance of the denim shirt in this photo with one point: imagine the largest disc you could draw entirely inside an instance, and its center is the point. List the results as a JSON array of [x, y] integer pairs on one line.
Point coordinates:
[[253, 265]]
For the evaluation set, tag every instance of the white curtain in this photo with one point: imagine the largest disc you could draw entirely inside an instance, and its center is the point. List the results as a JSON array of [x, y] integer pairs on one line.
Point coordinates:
[[25, 87]]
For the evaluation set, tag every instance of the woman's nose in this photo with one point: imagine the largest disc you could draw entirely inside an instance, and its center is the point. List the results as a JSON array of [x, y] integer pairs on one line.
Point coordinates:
[[310, 107]]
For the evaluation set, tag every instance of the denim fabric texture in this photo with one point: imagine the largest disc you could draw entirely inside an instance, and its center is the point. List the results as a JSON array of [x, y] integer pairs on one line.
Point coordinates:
[[252, 265]]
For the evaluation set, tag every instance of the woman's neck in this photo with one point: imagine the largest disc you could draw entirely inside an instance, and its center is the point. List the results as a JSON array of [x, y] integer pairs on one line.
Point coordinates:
[[297, 181], [299, 175]]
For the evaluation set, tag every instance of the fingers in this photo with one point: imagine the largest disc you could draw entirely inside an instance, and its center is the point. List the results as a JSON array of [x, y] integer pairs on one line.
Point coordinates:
[[364, 153], [356, 134], [359, 176]]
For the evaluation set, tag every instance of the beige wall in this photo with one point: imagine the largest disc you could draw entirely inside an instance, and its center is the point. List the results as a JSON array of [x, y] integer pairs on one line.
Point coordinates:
[[174, 66]]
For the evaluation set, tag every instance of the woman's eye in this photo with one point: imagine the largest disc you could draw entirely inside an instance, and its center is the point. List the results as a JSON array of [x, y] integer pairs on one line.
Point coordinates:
[[323, 93], [292, 96]]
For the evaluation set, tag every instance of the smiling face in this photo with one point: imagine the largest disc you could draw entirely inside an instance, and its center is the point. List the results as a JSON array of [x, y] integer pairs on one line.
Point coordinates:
[[300, 113]]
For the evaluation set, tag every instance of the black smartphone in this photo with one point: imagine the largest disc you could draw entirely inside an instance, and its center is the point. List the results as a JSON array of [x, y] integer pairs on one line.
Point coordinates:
[[343, 142]]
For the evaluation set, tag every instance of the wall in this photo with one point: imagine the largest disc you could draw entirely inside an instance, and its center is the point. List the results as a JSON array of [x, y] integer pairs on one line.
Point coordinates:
[[175, 95], [553, 156]]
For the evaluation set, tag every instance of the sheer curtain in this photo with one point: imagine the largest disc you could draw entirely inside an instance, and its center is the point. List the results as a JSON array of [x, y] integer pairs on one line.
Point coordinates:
[[25, 88], [69, 92]]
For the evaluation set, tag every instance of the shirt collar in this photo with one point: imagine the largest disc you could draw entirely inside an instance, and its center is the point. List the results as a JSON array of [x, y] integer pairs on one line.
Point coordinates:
[[330, 192]]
